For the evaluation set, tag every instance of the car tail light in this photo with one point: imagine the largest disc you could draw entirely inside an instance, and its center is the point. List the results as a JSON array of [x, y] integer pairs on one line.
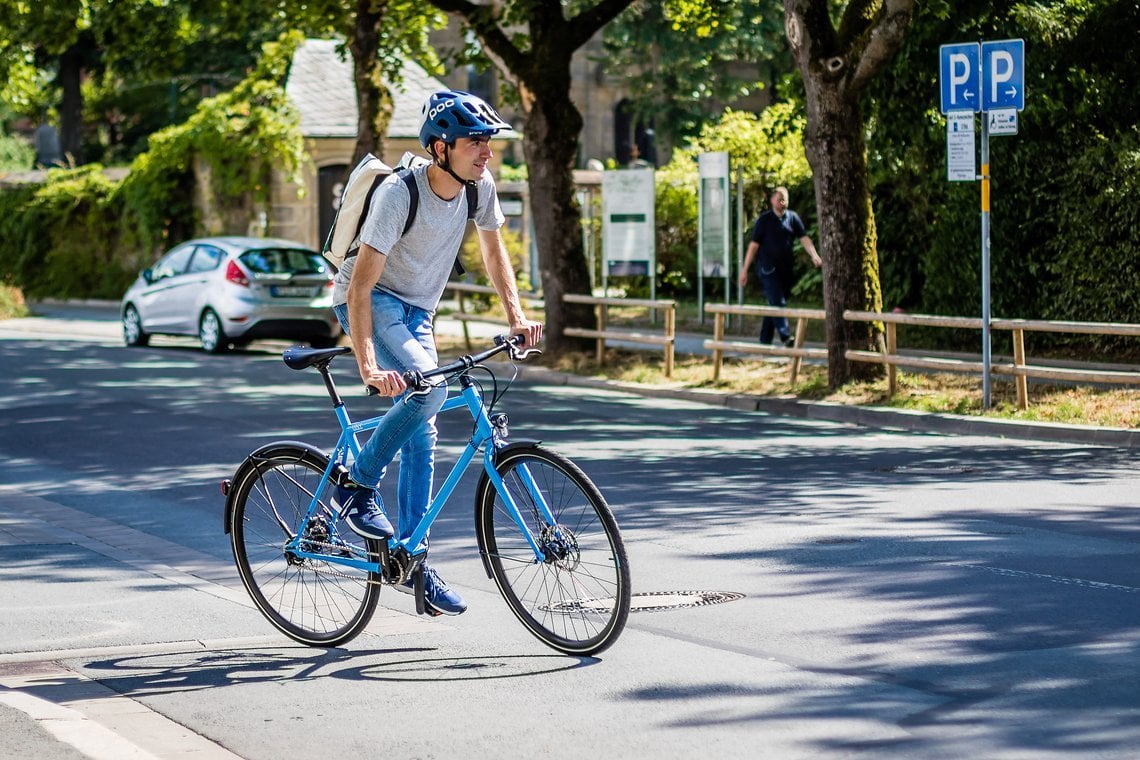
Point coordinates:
[[235, 275]]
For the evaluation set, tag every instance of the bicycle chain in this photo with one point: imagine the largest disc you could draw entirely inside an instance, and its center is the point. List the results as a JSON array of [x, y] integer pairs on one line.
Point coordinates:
[[328, 549]]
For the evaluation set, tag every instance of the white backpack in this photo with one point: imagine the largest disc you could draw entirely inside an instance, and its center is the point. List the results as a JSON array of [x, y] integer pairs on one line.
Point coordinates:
[[344, 238], [343, 241]]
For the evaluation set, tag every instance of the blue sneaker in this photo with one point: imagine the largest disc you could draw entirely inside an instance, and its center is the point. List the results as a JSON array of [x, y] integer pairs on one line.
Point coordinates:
[[437, 594], [361, 509]]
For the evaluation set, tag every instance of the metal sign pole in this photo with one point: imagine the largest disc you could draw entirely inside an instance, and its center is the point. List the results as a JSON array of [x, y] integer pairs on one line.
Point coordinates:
[[986, 358], [740, 244]]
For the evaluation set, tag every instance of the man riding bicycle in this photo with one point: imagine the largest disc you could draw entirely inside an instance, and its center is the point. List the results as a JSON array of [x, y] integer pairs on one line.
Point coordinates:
[[385, 298]]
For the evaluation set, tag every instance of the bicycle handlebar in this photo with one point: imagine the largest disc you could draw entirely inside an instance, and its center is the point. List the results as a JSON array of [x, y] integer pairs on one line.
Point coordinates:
[[418, 381]]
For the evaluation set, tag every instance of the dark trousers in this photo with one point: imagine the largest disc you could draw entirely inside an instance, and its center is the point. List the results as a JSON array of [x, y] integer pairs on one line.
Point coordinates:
[[774, 292]]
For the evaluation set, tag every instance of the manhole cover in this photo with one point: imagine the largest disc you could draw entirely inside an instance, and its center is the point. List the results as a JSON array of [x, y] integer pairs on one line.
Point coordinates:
[[649, 601]]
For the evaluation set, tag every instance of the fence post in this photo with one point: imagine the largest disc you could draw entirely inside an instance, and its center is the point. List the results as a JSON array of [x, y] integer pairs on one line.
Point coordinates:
[[892, 348], [1019, 361], [600, 318], [718, 336], [671, 334], [801, 333]]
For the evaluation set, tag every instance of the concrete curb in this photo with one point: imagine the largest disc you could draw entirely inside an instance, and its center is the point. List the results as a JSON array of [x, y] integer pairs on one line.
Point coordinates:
[[866, 416]]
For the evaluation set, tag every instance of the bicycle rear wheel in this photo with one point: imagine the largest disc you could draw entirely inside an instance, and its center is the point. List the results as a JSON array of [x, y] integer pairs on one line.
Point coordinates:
[[577, 600], [315, 601]]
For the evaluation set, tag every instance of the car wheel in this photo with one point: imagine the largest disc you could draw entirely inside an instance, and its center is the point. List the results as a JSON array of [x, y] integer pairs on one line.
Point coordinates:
[[210, 332], [133, 333]]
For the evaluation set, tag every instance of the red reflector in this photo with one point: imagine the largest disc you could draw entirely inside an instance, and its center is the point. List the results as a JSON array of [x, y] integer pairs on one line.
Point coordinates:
[[235, 275], [225, 488]]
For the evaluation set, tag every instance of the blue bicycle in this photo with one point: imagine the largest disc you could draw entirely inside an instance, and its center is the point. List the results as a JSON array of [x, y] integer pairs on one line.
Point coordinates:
[[545, 533]]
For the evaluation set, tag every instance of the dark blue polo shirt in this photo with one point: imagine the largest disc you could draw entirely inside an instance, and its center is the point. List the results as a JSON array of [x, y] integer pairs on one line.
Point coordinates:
[[776, 236]]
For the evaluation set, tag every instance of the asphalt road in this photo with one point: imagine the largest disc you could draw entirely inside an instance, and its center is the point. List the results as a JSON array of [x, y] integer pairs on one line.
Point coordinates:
[[903, 594]]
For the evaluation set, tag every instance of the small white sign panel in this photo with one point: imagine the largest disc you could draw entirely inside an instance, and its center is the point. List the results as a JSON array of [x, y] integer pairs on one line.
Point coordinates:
[[1002, 121], [628, 222], [960, 151]]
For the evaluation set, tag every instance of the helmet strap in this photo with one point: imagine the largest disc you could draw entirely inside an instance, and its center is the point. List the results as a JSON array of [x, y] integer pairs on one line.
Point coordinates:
[[445, 164]]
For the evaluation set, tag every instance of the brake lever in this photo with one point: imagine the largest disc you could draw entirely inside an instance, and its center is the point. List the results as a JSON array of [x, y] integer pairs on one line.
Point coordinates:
[[520, 355], [417, 385]]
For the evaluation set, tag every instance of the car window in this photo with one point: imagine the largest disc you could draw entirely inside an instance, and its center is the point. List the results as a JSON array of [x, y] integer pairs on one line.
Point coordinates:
[[173, 263], [206, 258], [284, 261]]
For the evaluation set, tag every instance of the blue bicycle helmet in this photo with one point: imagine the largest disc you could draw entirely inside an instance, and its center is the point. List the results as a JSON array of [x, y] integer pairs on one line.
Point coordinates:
[[451, 114]]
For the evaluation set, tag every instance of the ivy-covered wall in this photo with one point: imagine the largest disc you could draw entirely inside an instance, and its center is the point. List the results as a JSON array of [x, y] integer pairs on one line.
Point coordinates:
[[82, 234]]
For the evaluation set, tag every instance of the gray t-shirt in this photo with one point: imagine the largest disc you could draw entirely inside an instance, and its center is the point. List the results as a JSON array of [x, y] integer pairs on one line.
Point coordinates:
[[419, 263]]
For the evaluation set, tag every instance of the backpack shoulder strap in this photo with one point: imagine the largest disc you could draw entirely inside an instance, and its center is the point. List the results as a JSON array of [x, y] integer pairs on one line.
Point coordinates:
[[413, 197], [472, 200], [472, 194]]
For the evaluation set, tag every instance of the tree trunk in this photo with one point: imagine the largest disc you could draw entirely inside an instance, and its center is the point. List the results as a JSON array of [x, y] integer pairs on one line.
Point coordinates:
[[552, 127], [71, 107], [373, 100], [837, 65], [837, 153]]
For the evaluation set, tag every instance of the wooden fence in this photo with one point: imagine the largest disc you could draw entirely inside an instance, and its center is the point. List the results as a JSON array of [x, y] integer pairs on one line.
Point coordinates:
[[718, 345], [603, 332], [1020, 368]]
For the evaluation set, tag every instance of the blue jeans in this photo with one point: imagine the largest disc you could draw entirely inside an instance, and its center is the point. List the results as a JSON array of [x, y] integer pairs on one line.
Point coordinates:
[[402, 335], [774, 292]]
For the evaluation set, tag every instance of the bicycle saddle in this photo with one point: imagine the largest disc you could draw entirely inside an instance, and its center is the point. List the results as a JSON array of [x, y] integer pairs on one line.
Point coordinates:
[[297, 357]]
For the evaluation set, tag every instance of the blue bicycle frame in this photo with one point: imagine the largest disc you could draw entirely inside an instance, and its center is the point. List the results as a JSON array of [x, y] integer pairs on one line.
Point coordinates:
[[485, 436]]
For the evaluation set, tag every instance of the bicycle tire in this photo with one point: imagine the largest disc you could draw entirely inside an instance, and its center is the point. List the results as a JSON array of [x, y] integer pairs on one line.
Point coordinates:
[[312, 601], [577, 601]]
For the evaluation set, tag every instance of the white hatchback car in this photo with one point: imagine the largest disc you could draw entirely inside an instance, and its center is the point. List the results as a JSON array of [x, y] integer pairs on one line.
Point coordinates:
[[231, 290]]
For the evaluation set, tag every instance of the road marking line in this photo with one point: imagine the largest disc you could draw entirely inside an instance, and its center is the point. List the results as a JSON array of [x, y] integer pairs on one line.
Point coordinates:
[[1062, 579]]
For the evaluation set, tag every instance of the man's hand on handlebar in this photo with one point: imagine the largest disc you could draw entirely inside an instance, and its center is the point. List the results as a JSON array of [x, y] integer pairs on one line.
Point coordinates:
[[531, 332], [384, 382]]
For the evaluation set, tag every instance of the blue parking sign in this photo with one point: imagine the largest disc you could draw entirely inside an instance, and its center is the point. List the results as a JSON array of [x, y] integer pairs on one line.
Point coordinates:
[[1003, 75], [960, 76]]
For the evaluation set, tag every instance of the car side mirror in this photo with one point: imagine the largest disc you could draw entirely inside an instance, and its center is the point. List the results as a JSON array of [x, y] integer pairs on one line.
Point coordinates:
[[147, 275]]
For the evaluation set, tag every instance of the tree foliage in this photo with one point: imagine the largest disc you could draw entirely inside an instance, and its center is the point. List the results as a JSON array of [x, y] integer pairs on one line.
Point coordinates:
[[89, 38], [682, 63]]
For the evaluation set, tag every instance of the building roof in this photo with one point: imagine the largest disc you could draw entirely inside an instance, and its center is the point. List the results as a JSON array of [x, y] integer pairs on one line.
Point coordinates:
[[321, 87]]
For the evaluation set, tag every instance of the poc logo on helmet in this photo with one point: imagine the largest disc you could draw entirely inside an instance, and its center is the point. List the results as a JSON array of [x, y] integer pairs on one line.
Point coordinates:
[[440, 108]]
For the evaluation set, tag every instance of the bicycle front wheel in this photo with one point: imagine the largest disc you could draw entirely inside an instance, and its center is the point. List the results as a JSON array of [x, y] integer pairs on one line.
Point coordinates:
[[577, 599], [316, 601]]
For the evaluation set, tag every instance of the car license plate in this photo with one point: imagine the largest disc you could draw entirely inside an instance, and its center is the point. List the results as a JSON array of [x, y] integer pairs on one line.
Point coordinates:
[[291, 291]]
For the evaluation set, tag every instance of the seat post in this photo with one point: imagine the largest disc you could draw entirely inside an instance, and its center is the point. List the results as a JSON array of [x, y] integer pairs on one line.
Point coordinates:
[[330, 386]]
